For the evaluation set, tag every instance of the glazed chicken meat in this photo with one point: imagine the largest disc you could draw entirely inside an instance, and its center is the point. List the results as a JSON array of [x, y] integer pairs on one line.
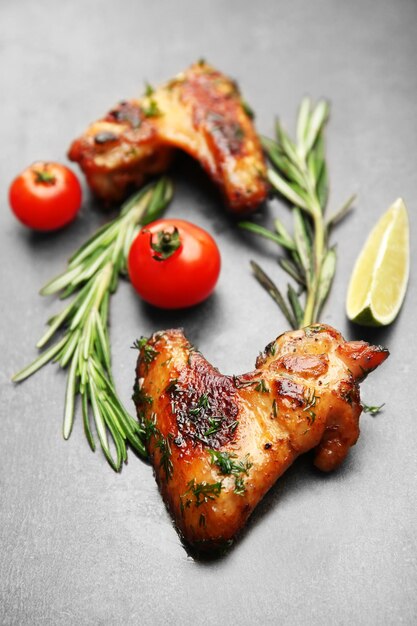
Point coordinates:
[[201, 112], [218, 443]]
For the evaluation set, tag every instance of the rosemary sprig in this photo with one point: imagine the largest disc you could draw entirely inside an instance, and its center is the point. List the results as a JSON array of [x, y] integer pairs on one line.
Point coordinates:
[[299, 174], [92, 277]]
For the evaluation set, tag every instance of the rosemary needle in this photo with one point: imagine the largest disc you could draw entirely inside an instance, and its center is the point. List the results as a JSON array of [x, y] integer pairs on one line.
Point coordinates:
[[299, 174], [91, 277]]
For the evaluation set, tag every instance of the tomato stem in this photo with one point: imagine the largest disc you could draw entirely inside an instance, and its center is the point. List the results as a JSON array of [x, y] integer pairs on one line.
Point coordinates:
[[44, 176], [166, 245]]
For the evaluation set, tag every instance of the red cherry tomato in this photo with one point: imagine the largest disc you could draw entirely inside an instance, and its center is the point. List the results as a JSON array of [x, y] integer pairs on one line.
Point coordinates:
[[45, 196], [174, 264]]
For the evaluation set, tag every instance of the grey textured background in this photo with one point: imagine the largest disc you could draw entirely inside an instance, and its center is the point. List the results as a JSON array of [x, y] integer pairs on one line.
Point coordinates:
[[82, 545]]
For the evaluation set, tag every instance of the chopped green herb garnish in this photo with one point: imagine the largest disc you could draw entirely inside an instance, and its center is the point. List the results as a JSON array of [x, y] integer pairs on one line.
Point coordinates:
[[202, 404], [241, 384], [165, 462], [227, 465], [202, 520], [139, 396], [311, 400], [261, 386], [215, 424], [203, 401], [152, 110], [202, 492], [149, 426], [149, 90], [313, 330], [139, 343], [248, 109], [271, 348], [239, 486], [238, 132], [149, 353], [172, 387], [372, 410]]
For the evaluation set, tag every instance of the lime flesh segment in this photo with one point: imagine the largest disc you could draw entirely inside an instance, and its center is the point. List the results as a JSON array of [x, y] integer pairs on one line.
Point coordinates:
[[379, 280]]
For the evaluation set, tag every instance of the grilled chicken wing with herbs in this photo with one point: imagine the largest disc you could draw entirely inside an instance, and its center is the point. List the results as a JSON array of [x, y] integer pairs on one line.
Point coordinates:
[[218, 443], [201, 112]]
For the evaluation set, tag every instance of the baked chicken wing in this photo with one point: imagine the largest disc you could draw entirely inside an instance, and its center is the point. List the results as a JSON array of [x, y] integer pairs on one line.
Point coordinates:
[[201, 112], [218, 443]]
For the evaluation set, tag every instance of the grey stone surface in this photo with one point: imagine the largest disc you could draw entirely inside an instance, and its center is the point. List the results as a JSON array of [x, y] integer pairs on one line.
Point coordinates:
[[82, 545]]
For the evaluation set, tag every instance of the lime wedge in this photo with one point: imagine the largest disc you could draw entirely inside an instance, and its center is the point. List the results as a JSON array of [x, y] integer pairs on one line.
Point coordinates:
[[379, 280]]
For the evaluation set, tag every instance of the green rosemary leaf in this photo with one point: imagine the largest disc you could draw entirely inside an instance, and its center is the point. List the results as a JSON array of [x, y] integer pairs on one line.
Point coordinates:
[[291, 269], [317, 120], [92, 268], [85, 306], [115, 431], [133, 201], [326, 278], [60, 282], [315, 160], [70, 399], [264, 232], [131, 231], [86, 421], [82, 368], [114, 281], [42, 359], [302, 241], [301, 193], [57, 322], [281, 162], [270, 146], [161, 196], [100, 239], [274, 292], [88, 337], [295, 305], [286, 144], [97, 373], [68, 350], [100, 424], [117, 248], [323, 187], [284, 234], [104, 312], [286, 189], [303, 123], [342, 212], [102, 340]]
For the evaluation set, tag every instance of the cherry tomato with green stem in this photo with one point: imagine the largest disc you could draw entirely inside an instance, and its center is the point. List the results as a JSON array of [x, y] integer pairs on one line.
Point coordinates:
[[45, 196], [174, 264]]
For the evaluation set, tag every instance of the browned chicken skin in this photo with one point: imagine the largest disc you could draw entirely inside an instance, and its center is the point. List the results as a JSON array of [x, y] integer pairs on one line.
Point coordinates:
[[201, 112], [218, 443]]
